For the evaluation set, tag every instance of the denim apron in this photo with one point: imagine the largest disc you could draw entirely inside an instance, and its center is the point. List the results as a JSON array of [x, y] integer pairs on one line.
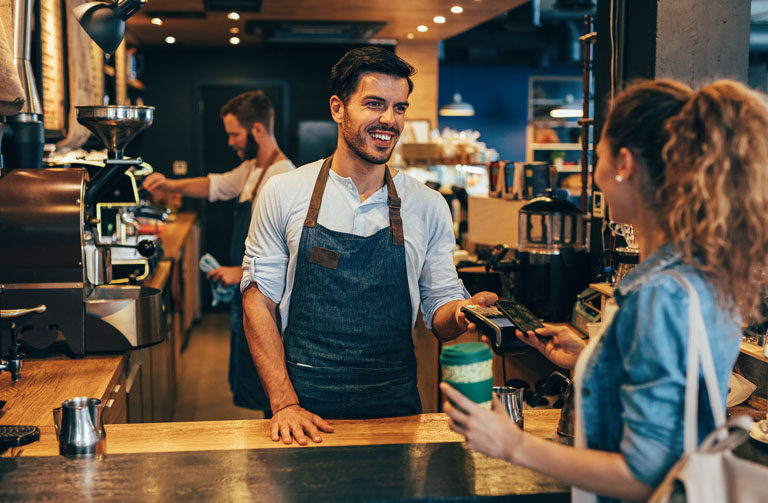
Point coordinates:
[[348, 345], [243, 378]]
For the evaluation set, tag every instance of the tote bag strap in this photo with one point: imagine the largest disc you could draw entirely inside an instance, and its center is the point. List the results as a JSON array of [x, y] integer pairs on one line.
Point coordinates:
[[699, 352]]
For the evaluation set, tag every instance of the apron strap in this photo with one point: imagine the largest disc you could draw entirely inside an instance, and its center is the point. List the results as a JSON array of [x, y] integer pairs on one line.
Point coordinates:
[[264, 169], [393, 202]]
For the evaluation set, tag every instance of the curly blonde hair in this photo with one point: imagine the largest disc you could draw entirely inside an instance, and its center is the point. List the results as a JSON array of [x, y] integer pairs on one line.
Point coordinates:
[[713, 201]]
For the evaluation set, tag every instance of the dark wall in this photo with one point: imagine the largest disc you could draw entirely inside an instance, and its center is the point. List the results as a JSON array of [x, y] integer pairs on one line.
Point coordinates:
[[174, 75]]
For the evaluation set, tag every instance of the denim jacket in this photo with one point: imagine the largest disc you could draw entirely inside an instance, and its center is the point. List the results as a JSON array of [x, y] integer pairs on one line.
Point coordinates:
[[634, 382]]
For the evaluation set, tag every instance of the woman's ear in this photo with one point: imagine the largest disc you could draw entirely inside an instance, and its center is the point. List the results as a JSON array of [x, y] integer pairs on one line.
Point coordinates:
[[627, 164], [337, 109]]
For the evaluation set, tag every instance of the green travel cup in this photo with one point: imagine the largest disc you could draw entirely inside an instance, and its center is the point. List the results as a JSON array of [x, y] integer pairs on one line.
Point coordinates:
[[468, 367]]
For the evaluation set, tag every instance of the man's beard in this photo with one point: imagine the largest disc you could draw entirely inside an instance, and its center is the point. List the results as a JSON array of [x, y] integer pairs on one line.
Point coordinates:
[[251, 149], [356, 142]]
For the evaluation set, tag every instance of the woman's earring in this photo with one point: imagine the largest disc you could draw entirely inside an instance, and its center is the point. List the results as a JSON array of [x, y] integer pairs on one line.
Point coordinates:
[[619, 178]]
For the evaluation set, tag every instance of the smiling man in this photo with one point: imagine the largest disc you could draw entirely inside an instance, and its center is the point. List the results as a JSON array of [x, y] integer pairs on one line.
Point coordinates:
[[342, 252]]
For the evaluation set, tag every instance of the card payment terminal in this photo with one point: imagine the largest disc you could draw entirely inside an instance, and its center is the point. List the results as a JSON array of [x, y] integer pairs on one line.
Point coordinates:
[[499, 323]]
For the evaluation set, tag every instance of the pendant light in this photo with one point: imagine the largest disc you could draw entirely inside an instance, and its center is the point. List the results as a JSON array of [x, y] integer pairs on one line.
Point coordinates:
[[457, 108]]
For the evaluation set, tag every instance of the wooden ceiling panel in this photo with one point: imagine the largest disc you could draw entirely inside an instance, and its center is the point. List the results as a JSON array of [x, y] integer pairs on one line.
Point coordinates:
[[402, 17]]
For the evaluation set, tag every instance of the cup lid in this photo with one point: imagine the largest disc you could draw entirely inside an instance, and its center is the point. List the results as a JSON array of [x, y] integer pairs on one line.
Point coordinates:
[[464, 353]]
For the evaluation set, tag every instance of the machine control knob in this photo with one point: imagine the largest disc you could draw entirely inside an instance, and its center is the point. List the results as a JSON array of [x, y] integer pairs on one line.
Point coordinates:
[[146, 247]]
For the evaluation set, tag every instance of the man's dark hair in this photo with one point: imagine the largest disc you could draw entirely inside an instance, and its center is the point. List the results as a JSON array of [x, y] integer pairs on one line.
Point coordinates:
[[251, 107], [346, 73]]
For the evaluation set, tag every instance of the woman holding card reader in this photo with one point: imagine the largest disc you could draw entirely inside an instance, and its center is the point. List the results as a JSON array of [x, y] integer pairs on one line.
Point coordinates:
[[689, 171]]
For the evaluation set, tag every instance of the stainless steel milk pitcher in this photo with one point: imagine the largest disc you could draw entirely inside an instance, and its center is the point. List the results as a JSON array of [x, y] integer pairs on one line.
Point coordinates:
[[79, 426]]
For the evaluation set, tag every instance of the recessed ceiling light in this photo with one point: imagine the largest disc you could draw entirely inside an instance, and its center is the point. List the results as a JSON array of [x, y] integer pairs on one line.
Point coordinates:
[[410, 36], [234, 40], [438, 19], [457, 9], [422, 28], [156, 21], [234, 29], [170, 40], [234, 16]]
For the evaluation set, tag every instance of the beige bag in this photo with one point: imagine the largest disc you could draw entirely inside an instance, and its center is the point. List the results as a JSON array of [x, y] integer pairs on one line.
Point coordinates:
[[711, 473]]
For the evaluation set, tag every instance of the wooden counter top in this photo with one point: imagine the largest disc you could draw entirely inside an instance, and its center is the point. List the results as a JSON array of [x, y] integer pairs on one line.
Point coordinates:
[[254, 434], [175, 233], [415, 458], [45, 383]]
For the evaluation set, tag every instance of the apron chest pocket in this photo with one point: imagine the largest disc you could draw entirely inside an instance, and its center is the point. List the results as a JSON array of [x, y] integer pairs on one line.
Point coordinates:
[[324, 258]]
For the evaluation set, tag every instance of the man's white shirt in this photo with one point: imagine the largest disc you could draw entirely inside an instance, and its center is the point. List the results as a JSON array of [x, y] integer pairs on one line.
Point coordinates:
[[241, 180], [272, 244]]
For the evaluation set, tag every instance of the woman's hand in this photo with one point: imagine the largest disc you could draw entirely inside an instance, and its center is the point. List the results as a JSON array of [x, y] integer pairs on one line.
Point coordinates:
[[491, 432], [558, 343]]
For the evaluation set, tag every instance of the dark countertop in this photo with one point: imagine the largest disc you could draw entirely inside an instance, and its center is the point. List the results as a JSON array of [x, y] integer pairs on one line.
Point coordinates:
[[395, 472]]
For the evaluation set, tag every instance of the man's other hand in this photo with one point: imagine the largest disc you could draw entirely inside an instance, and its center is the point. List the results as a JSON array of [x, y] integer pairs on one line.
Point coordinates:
[[295, 422], [226, 275]]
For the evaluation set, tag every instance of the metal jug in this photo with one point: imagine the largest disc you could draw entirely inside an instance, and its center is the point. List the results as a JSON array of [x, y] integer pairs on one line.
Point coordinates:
[[79, 426], [565, 425]]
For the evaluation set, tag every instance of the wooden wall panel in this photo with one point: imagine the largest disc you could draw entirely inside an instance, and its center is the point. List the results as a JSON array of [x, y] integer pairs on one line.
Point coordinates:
[[423, 56]]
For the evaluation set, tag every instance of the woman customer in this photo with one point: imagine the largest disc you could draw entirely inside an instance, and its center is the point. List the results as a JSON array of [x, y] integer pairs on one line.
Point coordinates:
[[689, 170]]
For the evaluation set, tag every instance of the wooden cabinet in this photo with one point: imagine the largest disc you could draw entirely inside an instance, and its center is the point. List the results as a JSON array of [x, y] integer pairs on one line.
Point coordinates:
[[115, 403]]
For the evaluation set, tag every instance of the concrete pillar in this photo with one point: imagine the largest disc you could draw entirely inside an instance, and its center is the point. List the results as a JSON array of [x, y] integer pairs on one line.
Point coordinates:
[[701, 40]]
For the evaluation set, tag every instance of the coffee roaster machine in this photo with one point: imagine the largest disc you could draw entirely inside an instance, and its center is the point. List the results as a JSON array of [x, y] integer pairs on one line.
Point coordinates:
[[56, 269]]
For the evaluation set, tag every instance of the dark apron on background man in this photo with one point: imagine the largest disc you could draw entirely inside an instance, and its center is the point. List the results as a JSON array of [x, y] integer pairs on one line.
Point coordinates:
[[243, 377], [348, 345]]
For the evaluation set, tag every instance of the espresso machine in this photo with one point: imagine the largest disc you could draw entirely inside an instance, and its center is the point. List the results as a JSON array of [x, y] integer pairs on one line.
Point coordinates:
[[55, 270], [550, 265]]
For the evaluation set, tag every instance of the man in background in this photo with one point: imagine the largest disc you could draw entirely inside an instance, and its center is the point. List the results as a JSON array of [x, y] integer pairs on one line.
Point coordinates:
[[249, 122]]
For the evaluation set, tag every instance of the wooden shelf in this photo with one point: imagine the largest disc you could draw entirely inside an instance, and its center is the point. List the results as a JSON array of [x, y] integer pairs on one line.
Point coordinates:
[[754, 351], [570, 169], [602, 288], [553, 123], [556, 146]]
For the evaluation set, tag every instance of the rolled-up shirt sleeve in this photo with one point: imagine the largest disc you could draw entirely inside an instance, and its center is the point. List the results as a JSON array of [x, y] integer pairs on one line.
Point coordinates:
[[438, 281], [266, 253], [653, 392], [224, 186]]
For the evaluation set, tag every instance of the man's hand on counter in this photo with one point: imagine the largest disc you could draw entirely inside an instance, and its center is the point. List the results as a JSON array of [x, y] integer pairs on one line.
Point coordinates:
[[293, 421], [226, 275]]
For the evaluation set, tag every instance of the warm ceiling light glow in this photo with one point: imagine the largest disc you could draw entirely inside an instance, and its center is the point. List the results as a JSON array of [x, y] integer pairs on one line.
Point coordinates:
[[234, 29], [565, 113], [156, 21], [457, 9], [410, 36], [234, 40], [170, 40], [422, 28], [234, 16], [438, 19]]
